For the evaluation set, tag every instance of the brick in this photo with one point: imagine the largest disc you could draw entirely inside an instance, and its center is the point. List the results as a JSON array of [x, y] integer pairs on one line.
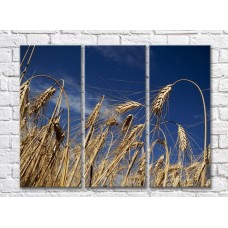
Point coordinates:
[[12, 40], [14, 84], [135, 39], [9, 185], [223, 194], [219, 128], [9, 69], [214, 55], [10, 156], [219, 99], [16, 54], [9, 99], [207, 194], [14, 98], [219, 156], [5, 171], [214, 41], [223, 169], [154, 40], [214, 113], [5, 55], [120, 194], [212, 32], [3, 83], [181, 40], [16, 171], [9, 127], [223, 141], [5, 113], [223, 57], [214, 85], [41, 194], [223, 113], [106, 32], [73, 40], [76, 32], [108, 40], [16, 113], [219, 184], [38, 39], [4, 141], [15, 141], [219, 70], [214, 170], [142, 32], [179, 194], [214, 141], [181, 32], [5, 31], [35, 31], [223, 86]]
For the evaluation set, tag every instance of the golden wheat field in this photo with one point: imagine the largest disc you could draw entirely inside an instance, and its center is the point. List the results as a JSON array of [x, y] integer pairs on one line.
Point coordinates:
[[114, 148]]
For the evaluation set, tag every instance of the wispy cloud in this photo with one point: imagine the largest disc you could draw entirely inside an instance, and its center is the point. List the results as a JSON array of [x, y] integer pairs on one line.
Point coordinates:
[[123, 55], [201, 116], [72, 90]]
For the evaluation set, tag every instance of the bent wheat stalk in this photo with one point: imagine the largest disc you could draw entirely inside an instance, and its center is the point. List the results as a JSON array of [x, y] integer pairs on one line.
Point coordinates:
[[205, 123]]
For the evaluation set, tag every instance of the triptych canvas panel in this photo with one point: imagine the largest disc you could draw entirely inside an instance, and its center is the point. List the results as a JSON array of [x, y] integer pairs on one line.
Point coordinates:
[[115, 116]]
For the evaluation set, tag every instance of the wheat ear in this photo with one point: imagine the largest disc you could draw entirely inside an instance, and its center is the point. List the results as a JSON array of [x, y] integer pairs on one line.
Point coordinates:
[[91, 119], [183, 140], [160, 100], [127, 123], [122, 108], [42, 100]]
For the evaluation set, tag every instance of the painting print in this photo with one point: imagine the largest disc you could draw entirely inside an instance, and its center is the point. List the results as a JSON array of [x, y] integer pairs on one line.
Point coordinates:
[[115, 153], [50, 116], [179, 116]]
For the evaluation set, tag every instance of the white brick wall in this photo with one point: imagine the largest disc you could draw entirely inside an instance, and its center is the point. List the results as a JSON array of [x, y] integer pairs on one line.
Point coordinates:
[[9, 104]]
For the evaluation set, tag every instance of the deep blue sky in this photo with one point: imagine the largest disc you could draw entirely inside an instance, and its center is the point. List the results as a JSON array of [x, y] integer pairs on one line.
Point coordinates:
[[118, 72], [60, 62], [170, 63]]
